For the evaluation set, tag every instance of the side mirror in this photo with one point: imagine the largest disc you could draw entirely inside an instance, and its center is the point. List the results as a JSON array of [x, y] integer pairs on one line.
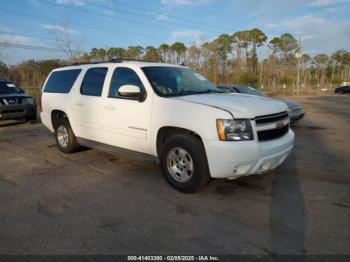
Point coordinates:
[[130, 91]]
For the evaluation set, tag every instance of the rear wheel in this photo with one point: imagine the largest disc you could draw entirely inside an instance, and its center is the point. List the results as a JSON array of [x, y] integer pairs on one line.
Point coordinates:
[[64, 136], [184, 163]]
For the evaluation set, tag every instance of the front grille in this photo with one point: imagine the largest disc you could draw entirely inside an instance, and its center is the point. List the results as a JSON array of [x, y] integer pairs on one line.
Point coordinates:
[[272, 133], [266, 119]]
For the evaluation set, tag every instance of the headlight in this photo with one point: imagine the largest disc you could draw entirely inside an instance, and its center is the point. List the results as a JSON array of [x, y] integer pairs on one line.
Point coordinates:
[[234, 129], [28, 100]]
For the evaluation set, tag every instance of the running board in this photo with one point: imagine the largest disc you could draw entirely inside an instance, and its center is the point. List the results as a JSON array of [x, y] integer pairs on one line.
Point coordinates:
[[130, 154]]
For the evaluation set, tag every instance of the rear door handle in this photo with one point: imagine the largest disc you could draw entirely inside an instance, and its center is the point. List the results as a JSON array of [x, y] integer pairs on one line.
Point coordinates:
[[79, 103], [109, 107]]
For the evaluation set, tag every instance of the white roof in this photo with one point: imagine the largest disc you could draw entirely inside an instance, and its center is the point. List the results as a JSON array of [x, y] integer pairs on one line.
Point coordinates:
[[122, 63]]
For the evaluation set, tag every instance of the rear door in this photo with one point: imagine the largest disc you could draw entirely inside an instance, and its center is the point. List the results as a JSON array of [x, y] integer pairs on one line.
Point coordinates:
[[87, 105]]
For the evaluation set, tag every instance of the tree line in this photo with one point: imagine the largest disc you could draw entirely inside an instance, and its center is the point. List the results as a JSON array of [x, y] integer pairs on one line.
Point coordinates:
[[226, 59]]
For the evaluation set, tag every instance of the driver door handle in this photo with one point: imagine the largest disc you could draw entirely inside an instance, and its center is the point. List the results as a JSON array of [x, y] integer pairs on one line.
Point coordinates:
[[109, 107]]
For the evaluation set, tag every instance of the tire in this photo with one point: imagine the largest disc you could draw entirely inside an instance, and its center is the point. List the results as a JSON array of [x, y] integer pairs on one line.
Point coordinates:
[[189, 174], [64, 136]]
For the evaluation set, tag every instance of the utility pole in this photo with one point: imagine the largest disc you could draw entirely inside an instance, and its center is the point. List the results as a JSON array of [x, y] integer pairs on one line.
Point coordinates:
[[298, 54], [261, 69], [106, 54]]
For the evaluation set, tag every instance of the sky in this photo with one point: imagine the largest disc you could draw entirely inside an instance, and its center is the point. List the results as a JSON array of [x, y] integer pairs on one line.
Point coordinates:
[[322, 25]]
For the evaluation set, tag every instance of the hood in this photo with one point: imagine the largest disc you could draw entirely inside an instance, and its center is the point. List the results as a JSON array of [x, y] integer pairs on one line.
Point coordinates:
[[240, 105], [291, 104]]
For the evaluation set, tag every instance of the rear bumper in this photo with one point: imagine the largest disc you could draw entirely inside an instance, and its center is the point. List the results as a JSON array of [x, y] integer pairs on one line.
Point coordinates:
[[18, 112], [235, 159], [46, 120]]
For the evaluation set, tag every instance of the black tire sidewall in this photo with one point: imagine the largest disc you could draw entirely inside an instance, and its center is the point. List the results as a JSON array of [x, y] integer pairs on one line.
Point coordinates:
[[196, 150]]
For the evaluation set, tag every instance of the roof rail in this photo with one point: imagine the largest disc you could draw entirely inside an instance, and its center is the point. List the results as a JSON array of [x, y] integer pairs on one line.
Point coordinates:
[[118, 60], [87, 63], [112, 60]]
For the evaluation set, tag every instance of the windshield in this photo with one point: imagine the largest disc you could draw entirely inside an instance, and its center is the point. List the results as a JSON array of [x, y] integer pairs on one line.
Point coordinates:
[[249, 90], [177, 81], [9, 88]]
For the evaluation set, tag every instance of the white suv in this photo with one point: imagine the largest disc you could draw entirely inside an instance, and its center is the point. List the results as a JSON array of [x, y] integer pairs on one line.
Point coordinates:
[[166, 112]]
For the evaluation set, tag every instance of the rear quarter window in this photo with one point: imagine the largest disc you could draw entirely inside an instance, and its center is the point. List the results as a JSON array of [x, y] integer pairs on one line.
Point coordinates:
[[61, 81]]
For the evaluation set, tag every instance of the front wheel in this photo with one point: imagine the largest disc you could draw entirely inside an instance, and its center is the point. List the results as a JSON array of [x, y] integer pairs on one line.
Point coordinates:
[[65, 138], [184, 163]]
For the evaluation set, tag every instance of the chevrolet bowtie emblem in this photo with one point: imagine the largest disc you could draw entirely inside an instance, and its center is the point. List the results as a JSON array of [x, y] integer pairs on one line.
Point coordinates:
[[279, 125]]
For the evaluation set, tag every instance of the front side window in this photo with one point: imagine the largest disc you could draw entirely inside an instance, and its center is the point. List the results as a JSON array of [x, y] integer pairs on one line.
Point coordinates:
[[123, 76], [61, 81], [178, 81], [93, 81]]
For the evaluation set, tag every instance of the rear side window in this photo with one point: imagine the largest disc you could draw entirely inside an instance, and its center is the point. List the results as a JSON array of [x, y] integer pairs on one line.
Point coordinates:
[[123, 76], [61, 81], [93, 81]]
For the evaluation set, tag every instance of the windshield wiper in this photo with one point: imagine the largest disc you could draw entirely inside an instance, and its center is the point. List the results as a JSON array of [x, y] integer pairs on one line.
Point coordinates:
[[181, 93], [190, 92], [209, 91]]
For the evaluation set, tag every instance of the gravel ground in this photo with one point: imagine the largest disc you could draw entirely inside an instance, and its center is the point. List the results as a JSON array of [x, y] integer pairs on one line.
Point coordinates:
[[92, 202]]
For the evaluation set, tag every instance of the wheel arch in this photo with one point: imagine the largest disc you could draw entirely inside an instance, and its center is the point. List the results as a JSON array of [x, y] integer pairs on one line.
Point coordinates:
[[58, 114], [167, 131]]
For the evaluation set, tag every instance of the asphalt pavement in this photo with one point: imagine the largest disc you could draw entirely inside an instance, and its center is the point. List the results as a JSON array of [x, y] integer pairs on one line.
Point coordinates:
[[93, 202]]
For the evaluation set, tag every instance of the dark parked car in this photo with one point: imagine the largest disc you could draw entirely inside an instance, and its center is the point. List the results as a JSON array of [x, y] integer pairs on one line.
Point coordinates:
[[15, 104], [296, 111], [342, 89]]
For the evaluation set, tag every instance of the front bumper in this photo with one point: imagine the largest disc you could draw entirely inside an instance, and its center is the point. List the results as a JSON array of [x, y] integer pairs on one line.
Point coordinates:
[[234, 159], [296, 117], [14, 112]]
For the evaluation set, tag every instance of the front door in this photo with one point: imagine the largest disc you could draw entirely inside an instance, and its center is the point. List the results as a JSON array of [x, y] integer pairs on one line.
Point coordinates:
[[126, 122]]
